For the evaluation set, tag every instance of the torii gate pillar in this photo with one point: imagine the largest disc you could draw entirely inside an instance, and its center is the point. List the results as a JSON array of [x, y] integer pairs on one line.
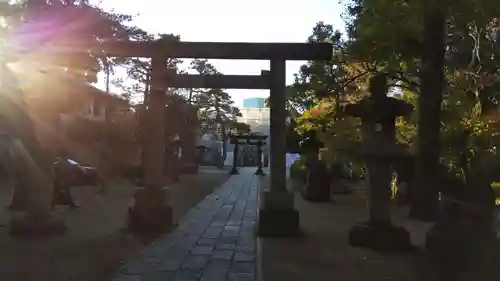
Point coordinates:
[[277, 216], [152, 211]]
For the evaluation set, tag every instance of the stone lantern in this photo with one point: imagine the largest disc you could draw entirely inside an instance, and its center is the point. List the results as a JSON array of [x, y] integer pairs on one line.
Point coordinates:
[[379, 150]]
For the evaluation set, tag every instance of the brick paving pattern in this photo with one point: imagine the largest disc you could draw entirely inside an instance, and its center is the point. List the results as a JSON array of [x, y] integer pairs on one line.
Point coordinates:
[[215, 241]]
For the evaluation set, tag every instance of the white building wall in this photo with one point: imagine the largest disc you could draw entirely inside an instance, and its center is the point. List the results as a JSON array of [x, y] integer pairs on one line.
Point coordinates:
[[259, 120]]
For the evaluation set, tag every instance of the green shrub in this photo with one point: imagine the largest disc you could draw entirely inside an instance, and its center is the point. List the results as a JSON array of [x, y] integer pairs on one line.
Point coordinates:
[[496, 188], [297, 171]]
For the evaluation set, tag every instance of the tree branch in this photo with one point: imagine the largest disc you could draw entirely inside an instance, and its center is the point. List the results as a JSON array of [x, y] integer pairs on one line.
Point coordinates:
[[354, 78]]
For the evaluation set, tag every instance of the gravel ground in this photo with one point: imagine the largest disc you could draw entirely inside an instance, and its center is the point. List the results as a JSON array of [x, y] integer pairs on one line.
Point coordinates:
[[96, 242], [323, 254]]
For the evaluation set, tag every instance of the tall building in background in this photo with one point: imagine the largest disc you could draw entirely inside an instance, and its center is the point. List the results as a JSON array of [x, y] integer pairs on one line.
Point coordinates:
[[255, 113], [254, 103]]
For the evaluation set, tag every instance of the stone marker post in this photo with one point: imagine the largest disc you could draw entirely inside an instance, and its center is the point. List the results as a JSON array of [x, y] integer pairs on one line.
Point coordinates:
[[234, 169], [277, 216], [378, 113], [259, 171], [152, 211], [317, 187], [462, 241]]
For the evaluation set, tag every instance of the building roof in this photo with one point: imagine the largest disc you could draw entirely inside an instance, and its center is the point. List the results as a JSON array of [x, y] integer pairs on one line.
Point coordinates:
[[61, 87]]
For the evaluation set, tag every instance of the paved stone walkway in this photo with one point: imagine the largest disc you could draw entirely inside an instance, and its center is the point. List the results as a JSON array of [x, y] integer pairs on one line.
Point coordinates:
[[215, 241]]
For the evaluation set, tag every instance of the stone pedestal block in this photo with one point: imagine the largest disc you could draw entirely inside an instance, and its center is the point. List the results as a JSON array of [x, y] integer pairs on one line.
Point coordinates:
[[278, 223], [380, 237], [462, 252], [463, 232], [151, 211], [36, 226], [277, 217]]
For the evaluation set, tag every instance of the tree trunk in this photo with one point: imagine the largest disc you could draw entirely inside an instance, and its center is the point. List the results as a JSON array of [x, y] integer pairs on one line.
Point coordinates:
[[105, 145], [108, 70], [224, 142], [142, 122], [425, 205], [32, 164], [190, 97], [223, 133]]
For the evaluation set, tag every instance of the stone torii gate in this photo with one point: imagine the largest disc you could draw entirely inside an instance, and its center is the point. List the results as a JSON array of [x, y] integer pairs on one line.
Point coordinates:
[[258, 143], [151, 210], [257, 140]]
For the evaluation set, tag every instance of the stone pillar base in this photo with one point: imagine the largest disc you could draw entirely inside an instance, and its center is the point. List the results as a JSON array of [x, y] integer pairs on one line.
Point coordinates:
[[278, 223], [260, 172], [151, 213], [35, 226], [277, 217], [380, 237]]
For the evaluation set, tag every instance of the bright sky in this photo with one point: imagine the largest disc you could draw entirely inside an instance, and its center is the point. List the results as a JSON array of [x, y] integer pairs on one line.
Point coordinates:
[[234, 21]]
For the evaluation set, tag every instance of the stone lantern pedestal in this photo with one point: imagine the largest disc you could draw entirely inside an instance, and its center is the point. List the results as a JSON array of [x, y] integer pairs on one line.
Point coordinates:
[[150, 213], [379, 233]]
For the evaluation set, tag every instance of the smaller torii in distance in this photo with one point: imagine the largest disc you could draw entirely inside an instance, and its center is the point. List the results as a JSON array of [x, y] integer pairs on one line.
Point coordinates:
[[257, 140]]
